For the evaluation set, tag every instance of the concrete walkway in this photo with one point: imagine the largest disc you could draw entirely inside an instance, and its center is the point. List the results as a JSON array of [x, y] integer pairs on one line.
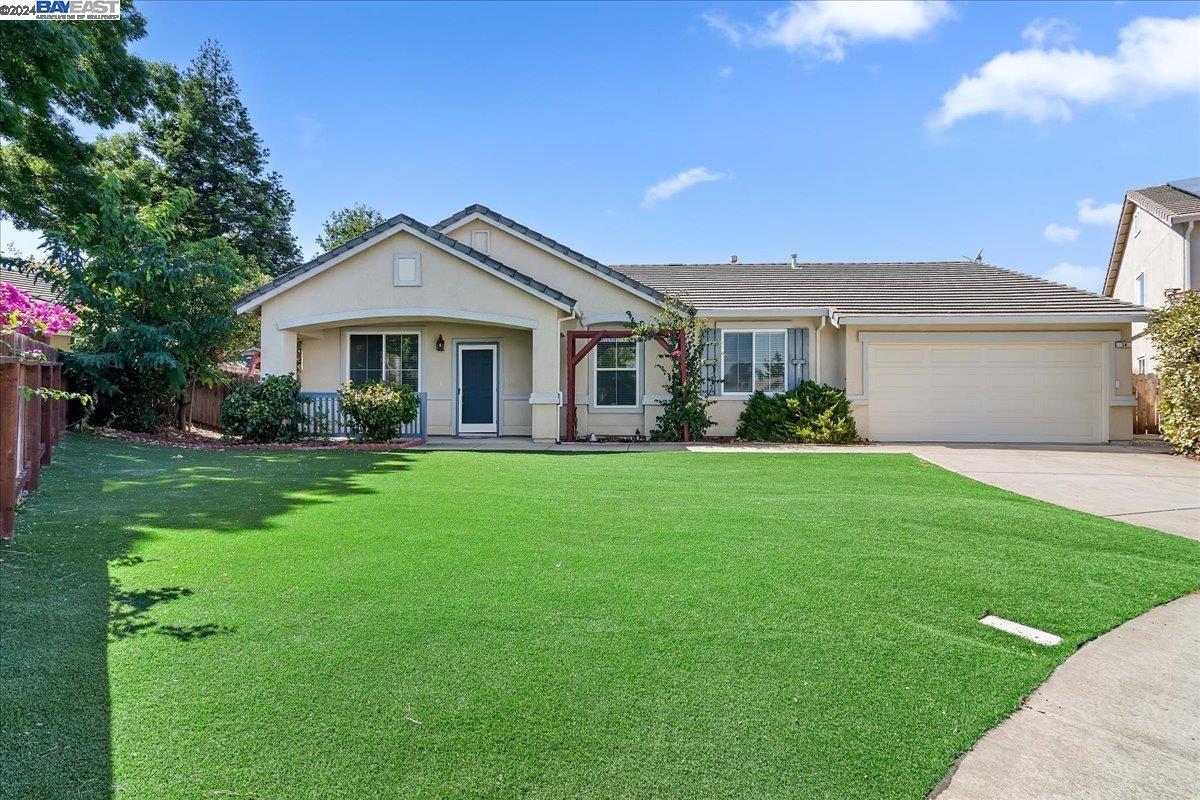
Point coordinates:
[[1120, 719]]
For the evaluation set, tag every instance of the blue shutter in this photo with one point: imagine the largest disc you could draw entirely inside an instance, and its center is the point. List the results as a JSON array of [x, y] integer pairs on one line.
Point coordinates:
[[797, 356], [712, 361]]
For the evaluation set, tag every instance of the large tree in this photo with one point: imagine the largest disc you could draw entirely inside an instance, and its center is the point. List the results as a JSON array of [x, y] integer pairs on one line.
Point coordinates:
[[54, 76], [344, 225], [155, 308], [208, 144]]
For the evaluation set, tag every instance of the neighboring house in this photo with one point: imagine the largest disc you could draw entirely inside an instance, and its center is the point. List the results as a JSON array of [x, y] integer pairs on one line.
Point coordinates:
[[1156, 251], [38, 289], [473, 312]]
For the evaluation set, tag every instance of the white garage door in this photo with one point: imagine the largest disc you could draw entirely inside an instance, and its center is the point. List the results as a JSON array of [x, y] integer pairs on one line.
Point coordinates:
[[993, 392]]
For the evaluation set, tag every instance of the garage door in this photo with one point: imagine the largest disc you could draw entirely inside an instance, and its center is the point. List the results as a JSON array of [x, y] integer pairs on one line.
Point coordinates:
[[994, 392]]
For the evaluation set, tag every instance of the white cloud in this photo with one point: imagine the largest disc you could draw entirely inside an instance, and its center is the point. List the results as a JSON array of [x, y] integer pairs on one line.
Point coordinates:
[[725, 72], [1053, 31], [1060, 233], [1091, 214], [823, 28], [1156, 57], [1081, 277], [674, 185]]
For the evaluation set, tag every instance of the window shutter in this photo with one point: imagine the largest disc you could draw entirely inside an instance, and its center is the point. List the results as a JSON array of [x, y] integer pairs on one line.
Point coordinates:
[[712, 361], [797, 356]]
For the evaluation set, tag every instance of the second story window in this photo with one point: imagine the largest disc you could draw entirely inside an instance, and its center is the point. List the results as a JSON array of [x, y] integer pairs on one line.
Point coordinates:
[[1139, 289]]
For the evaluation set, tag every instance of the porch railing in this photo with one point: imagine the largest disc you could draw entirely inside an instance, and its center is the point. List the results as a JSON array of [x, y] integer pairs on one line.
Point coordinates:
[[326, 418]]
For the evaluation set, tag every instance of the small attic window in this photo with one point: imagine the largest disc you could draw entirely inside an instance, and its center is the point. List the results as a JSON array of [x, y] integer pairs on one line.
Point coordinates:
[[406, 269], [481, 241], [1137, 223]]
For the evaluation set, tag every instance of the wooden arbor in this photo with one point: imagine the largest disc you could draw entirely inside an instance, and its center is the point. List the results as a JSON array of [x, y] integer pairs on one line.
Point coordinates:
[[590, 339]]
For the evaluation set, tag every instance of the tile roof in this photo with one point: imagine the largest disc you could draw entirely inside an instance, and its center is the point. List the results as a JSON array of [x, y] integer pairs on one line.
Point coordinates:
[[35, 287], [427, 230], [1166, 201], [888, 289], [552, 244]]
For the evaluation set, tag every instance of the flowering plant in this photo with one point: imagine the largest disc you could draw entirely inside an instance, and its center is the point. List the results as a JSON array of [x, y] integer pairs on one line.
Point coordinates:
[[24, 314]]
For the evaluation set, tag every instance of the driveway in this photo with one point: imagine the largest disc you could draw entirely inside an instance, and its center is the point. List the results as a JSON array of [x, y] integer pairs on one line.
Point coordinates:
[[1119, 718], [1139, 484]]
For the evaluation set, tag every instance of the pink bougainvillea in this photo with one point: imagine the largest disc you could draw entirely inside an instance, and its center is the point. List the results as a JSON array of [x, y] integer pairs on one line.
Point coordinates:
[[24, 314]]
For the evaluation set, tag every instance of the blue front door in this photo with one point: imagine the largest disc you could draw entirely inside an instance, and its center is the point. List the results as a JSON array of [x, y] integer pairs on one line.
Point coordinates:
[[477, 388]]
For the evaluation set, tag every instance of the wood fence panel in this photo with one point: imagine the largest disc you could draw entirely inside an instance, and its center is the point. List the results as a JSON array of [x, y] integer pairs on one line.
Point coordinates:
[[207, 400], [30, 425], [1145, 413]]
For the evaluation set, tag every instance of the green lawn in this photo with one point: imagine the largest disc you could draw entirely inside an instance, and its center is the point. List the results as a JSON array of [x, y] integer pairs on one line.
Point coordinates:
[[320, 625]]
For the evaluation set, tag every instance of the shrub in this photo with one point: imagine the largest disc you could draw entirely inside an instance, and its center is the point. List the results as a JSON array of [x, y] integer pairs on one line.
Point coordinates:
[[810, 413], [1175, 331], [376, 410], [264, 412]]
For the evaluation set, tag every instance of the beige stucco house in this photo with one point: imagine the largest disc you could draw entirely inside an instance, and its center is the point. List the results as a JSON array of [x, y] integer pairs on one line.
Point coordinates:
[[1156, 251], [473, 313]]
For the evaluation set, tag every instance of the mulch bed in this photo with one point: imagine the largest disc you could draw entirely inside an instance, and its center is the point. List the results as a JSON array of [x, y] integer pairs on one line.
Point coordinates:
[[202, 439]]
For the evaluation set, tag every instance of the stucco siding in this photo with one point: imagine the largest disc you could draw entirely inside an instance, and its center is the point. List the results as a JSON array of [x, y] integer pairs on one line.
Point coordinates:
[[1157, 251]]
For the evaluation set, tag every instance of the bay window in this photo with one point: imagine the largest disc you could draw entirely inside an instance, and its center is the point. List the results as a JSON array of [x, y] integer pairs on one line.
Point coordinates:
[[753, 361]]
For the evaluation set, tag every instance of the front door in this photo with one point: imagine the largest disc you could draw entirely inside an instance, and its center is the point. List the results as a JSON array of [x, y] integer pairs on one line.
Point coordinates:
[[477, 388]]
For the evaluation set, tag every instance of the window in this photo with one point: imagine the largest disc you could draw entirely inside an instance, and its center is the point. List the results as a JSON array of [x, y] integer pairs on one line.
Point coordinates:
[[1139, 284], [406, 269], [1137, 223], [616, 373], [391, 357], [481, 241], [753, 360]]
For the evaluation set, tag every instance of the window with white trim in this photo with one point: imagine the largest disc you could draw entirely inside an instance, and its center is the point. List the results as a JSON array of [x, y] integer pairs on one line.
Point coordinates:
[[615, 373], [1141, 365], [1139, 284], [753, 361], [392, 357]]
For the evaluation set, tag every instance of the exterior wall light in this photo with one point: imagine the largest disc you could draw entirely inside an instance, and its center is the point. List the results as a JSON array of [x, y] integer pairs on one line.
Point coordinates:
[[440, 344]]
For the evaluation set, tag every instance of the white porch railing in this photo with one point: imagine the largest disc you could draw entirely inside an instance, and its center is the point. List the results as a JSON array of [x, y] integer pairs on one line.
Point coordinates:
[[326, 418]]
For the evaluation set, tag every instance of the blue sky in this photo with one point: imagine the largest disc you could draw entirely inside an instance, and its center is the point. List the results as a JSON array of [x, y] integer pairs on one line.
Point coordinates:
[[835, 132]]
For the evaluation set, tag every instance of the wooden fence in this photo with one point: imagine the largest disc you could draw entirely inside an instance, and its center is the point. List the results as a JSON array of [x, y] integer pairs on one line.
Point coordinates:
[[30, 424], [1145, 413], [206, 400]]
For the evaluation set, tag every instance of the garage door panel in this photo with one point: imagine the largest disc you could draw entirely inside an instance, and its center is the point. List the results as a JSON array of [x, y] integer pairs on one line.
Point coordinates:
[[1001, 392]]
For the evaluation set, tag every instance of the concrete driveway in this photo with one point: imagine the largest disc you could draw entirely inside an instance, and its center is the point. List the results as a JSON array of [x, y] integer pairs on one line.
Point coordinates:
[[1119, 719], [1141, 484]]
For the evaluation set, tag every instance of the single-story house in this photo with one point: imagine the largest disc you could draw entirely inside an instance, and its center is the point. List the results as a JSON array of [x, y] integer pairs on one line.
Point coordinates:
[[473, 313]]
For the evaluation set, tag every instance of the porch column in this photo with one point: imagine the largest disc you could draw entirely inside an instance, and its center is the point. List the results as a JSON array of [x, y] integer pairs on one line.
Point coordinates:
[[544, 395], [278, 351]]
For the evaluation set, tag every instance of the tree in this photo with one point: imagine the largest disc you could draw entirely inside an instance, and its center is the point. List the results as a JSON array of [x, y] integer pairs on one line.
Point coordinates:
[[155, 310], [686, 405], [344, 225], [1175, 331], [53, 76], [208, 144]]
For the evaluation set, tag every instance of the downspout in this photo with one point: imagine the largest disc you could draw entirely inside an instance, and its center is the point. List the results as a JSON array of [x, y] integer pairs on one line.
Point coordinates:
[[817, 348], [1187, 256], [558, 362]]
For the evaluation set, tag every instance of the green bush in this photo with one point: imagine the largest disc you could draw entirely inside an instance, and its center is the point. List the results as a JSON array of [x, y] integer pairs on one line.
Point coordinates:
[[1175, 332], [263, 412], [810, 413], [376, 410]]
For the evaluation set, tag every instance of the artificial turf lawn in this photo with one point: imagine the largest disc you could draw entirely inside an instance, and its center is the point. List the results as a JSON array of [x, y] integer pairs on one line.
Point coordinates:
[[313, 625]]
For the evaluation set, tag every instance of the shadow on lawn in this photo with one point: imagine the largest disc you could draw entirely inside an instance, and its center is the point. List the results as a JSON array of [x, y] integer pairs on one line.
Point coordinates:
[[60, 607]]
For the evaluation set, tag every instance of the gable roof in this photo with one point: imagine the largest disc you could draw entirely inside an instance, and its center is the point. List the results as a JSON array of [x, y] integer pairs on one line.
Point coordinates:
[[406, 223], [477, 211], [893, 289], [33, 286], [1170, 203]]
